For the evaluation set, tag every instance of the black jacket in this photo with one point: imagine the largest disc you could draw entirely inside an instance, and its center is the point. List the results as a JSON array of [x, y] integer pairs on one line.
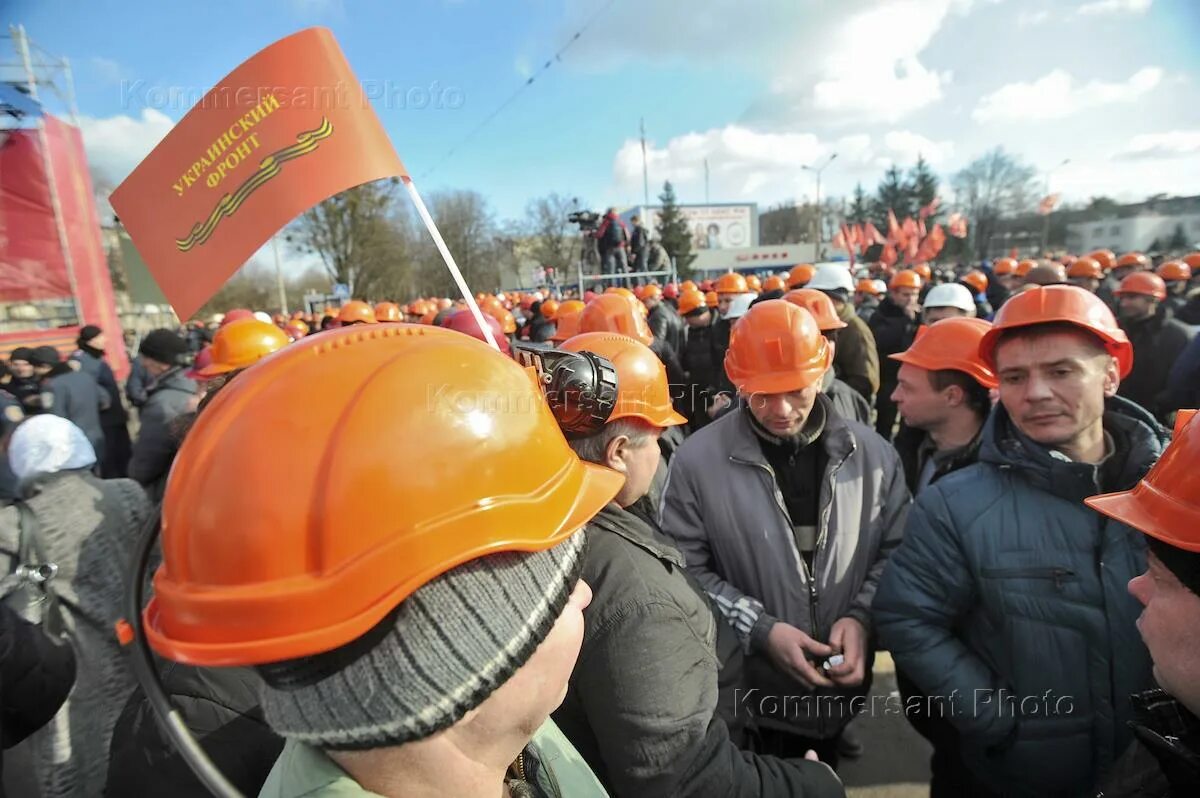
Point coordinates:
[[220, 707], [1157, 343], [35, 677], [114, 414], [894, 332], [641, 706], [1190, 313], [1165, 762], [702, 371], [667, 325], [914, 447]]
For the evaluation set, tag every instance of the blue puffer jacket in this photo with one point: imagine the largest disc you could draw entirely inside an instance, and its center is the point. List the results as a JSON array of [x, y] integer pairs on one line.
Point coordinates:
[[1008, 598]]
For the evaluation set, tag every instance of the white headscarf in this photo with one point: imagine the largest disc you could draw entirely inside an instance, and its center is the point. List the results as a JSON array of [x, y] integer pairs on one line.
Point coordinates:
[[47, 444]]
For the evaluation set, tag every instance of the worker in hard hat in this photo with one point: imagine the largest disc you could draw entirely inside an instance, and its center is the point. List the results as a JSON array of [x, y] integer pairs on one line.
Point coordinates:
[[643, 704], [413, 627]]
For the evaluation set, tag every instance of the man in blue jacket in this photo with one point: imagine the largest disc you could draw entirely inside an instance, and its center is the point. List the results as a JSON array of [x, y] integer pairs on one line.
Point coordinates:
[[1006, 603]]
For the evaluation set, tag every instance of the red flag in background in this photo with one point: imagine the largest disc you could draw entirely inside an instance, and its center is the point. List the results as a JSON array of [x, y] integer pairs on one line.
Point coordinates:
[[1048, 204], [911, 231], [930, 209], [285, 130], [957, 225], [888, 256], [872, 235], [850, 235], [931, 246], [895, 235]]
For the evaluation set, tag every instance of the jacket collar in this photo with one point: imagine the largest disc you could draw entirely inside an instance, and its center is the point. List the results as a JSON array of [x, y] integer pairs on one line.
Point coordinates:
[[619, 521], [174, 379], [1171, 732], [1005, 446], [837, 437]]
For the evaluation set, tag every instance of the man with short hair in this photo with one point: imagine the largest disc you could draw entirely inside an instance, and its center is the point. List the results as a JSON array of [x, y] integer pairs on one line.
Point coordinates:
[[663, 319], [71, 393], [612, 238], [856, 358], [1157, 337], [114, 461], [639, 244], [170, 394], [642, 704], [24, 385], [786, 514], [698, 358], [947, 301], [1007, 599], [1165, 507]]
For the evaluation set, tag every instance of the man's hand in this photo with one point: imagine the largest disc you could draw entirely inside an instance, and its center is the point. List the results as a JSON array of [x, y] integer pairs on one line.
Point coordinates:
[[790, 649], [720, 402], [848, 638]]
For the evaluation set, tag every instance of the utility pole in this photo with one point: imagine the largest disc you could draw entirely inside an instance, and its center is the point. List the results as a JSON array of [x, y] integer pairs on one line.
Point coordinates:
[[283, 306], [705, 181], [1046, 221], [820, 221], [645, 173]]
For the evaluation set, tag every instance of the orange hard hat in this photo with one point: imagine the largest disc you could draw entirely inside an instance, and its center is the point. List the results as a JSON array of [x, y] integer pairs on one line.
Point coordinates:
[[569, 306], [905, 278], [977, 280], [492, 305], [243, 343], [1174, 270], [508, 322], [295, 329], [388, 311], [951, 343], [711, 299], [549, 308], [1105, 257], [356, 311], [923, 270], [428, 316], [1145, 283], [613, 313], [819, 305], [1025, 267], [1192, 259], [774, 283], [652, 292], [670, 291], [417, 307], [732, 283], [642, 388], [689, 285], [279, 319], [617, 289], [1043, 304], [690, 300], [566, 325], [799, 276], [1135, 259], [1166, 504], [1003, 266], [1086, 266], [639, 291], [754, 284], [776, 348], [865, 286], [327, 547]]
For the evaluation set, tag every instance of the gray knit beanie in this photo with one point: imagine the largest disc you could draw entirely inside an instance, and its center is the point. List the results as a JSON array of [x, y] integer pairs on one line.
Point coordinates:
[[438, 655]]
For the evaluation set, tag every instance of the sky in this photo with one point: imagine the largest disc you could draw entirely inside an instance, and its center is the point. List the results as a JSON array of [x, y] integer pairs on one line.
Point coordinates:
[[757, 88]]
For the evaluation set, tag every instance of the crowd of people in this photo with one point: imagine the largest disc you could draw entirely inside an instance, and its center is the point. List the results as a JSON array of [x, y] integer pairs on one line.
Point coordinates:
[[651, 546]]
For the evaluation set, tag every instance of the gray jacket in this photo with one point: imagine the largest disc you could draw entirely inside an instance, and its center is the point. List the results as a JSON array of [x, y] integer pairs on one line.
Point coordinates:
[[724, 510], [77, 397], [642, 702], [157, 442], [1008, 599]]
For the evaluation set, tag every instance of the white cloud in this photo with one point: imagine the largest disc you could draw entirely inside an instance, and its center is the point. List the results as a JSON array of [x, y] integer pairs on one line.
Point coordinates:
[[106, 69], [1173, 144], [903, 147], [1106, 7], [1056, 95], [116, 144], [1028, 19]]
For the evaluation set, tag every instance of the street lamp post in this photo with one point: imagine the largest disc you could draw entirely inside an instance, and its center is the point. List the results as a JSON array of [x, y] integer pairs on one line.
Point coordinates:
[[820, 221], [1046, 221]]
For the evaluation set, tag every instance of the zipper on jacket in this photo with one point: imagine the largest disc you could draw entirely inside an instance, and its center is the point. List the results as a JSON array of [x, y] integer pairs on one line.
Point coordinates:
[[1059, 575]]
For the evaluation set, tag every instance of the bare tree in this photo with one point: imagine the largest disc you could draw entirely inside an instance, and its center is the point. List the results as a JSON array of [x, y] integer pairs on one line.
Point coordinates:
[[554, 240], [361, 236], [990, 187], [470, 233]]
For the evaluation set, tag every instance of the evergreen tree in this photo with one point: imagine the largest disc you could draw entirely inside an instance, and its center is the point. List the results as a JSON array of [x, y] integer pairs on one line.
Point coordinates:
[[893, 194], [1178, 241], [673, 231], [860, 208], [923, 183]]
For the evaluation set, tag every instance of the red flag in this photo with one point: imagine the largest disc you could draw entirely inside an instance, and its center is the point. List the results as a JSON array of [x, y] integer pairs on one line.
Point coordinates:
[[888, 256], [910, 229], [839, 239], [873, 235], [910, 250], [931, 208], [895, 234], [932, 245], [286, 129], [1048, 204], [921, 228], [957, 225], [850, 235], [1012, 253]]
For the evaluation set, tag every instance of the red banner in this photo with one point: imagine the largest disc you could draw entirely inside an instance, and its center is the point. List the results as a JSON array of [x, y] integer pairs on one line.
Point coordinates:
[[31, 258], [285, 130]]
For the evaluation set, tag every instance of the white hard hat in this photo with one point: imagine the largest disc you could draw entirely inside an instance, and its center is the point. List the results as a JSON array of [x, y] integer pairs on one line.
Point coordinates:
[[262, 316], [739, 305], [880, 287], [831, 277], [949, 295]]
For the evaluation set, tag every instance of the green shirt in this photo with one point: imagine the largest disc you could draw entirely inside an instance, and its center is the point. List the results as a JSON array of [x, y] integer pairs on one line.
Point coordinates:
[[303, 771]]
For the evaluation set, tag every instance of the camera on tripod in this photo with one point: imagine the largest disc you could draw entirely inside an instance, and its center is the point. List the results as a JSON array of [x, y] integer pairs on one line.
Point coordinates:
[[587, 220]]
